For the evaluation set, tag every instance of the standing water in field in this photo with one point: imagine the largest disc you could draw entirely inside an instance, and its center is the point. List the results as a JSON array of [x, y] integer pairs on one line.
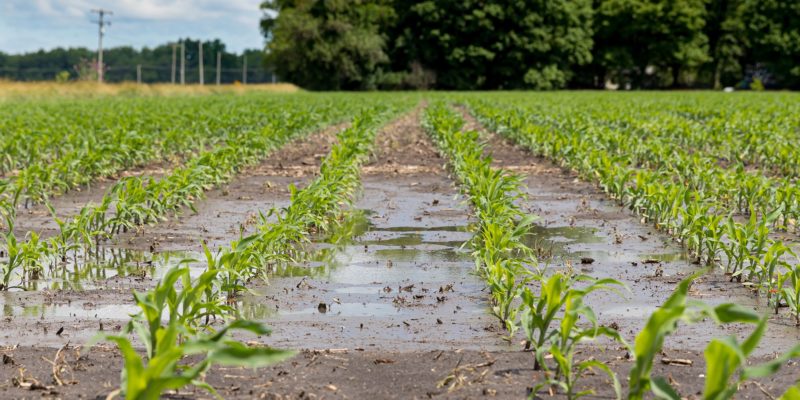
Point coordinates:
[[405, 276]]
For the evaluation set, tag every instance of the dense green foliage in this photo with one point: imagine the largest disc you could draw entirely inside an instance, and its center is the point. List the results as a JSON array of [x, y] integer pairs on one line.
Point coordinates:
[[500, 44], [493, 44], [121, 62], [327, 45]]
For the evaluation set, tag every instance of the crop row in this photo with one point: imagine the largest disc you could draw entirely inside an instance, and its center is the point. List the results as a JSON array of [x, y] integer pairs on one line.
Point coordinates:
[[189, 312], [550, 308], [136, 201], [89, 144], [682, 194], [42, 133]]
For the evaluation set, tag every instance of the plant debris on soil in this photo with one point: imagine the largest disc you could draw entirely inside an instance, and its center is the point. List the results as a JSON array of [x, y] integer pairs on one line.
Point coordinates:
[[395, 310]]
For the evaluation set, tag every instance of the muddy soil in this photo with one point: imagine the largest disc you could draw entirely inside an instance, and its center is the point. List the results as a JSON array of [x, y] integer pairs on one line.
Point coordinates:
[[395, 312], [580, 228], [80, 299], [356, 374], [403, 147]]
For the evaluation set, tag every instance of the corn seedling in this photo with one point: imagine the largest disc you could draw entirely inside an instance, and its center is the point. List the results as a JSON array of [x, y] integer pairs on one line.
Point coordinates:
[[167, 325]]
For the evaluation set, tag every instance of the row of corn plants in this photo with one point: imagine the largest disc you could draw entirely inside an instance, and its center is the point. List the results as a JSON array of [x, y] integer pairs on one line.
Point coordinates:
[[90, 140], [137, 201], [555, 319], [679, 201], [320, 207], [549, 307], [177, 323]]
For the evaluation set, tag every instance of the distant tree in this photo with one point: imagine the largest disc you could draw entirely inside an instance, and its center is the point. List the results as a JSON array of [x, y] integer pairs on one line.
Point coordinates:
[[727, 41], [486, 44], [773, 27], [121, 63], [327, 45], [647, 42]]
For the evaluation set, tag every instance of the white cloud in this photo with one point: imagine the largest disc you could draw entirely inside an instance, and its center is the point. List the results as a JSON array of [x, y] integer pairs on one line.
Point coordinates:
[[188, 10], [57, 23]]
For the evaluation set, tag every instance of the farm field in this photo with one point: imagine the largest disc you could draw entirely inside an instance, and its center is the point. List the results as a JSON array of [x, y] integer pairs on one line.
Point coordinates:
[[401, 245]]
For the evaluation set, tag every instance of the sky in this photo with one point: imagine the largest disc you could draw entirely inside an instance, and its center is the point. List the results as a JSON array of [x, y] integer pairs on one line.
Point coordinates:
[[30, 25]]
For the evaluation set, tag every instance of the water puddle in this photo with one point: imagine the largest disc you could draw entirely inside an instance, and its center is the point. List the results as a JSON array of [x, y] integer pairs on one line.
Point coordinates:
[[73, 310], [349, 309], [83, 271], [391, 255], [554, 245]]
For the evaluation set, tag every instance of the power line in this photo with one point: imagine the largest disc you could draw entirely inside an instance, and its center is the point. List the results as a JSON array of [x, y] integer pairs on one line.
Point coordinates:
[[101, 30]]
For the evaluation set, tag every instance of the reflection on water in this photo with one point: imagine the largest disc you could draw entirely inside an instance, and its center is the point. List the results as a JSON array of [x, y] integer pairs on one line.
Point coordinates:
[[82, 271], [70, 310], [403, 252], [555, 244]]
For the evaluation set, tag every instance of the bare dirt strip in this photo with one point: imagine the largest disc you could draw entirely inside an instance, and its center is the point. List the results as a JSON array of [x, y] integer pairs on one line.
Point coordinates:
[[79, 299], [403, 315]]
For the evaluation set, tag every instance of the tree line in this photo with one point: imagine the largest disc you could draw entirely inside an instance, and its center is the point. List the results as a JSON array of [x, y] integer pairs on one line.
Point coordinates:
[[534, 44], [121, 63]]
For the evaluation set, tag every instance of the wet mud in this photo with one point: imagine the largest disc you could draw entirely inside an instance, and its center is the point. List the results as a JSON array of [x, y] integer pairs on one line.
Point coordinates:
[[403, 284], [393, 310], [80, 294], [580, 228]]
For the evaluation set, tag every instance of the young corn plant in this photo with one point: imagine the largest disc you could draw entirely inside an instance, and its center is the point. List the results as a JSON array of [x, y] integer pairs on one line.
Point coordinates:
[[767, 277], [570, 334], [551, 317], [726, 358], [169, 325], [16, 258], [789, 290]]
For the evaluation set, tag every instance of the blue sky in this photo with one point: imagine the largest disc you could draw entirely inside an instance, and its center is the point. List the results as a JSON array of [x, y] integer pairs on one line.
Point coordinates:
[[30, 25]]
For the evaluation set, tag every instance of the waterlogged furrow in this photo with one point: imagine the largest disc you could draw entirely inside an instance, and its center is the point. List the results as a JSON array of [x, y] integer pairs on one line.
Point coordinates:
[[317, 208], [137, 201], [695, 209], [314, 209], [548, 316]]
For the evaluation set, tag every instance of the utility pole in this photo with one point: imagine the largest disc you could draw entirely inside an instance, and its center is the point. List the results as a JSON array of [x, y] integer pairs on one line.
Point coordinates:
[[138, 74], [174, 49], [183, 62], [219, 64], [201, 64], [244, 69], [101, 30]]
